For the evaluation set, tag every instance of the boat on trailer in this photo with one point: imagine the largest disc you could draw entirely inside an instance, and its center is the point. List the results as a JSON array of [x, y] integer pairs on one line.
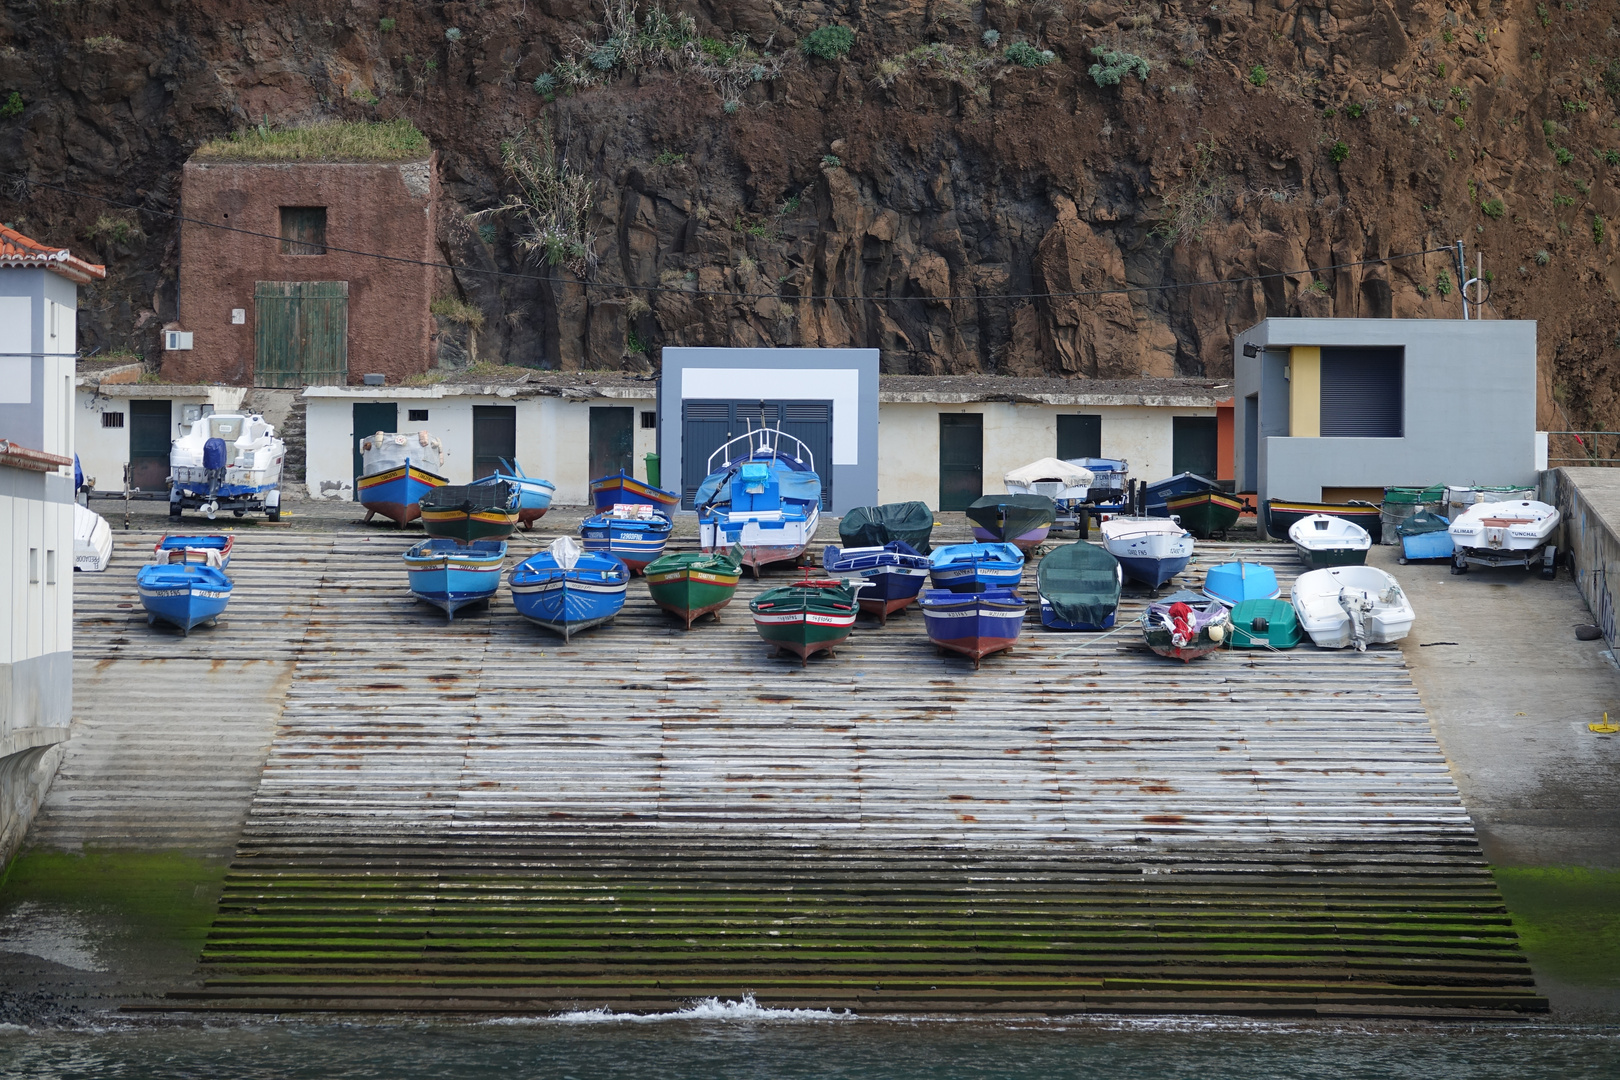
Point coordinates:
[[567, 589], [1323, 540], [690, 584], [1152, 550], [975, 567], [1079, 587], [762, 491], [894, 574], [468, 512], [1185, 626], [1020, 520], [451, 575], [806, 617], [1521, 533], [227, 461], [1343, 606], [534, 494], [1056, 479], [634, 532], [973, 624], [397, 469], [183, 594]]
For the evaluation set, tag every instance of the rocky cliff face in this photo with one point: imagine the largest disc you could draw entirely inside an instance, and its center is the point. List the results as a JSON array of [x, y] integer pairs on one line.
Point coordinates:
[[922, 193]]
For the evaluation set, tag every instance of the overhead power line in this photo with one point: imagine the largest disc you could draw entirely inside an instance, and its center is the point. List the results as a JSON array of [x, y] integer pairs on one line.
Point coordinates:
[[1123, 290]]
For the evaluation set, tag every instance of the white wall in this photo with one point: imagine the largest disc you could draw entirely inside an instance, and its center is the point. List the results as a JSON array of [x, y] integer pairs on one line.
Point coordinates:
[[103, 451]]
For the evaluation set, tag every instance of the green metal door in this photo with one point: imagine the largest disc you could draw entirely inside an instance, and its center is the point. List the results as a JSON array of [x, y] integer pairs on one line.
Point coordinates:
[[612, 441], [961, 459], [1193, 445], [371, 417], [494, 437], [151, 431], [301, 333]]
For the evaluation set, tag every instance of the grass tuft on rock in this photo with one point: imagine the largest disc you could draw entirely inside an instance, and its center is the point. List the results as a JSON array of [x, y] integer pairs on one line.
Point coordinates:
[[338, 140]]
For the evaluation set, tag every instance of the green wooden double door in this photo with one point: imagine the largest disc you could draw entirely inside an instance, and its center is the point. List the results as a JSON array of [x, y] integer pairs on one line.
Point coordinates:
[[301, 333]]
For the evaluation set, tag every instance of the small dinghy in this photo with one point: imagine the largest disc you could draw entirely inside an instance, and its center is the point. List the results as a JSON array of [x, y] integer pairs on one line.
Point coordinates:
[[806, 617], [183, 594], [1281, 515], [1262, 624], [1185, 626], [210, 549], [1053, 478], [567, 589], [973, 624], [690, 583], [634, 532], [875, 526], [1425, 536], [92, 540], [397, 468], [894, 574], [1356, 606], [1020, 520], [1151, 550], [534, 494], [976, 567], [468, 512], [1079, 587], [1323, 540], [451, 575], [1234, 582]]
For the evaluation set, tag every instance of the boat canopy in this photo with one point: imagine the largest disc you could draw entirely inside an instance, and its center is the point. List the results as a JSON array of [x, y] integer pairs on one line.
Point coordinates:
[[1051, 470], [794, 483], [875, 526], [1081, 581], [1009, 516]]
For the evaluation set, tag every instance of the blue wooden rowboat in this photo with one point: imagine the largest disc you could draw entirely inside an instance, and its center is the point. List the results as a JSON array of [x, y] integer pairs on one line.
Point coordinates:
[[208, 549], [634, 533], [976, 567], [534, 494], [450, 575], [183, 594], [973, 624], [895, 573], [609, 491], [1233, 583], [566, 589]]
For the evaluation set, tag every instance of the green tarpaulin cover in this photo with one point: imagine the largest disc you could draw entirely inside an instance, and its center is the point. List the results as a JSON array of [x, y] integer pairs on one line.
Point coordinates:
[[1011, 516], [1081, 581], [1422, 522], [874, 526]]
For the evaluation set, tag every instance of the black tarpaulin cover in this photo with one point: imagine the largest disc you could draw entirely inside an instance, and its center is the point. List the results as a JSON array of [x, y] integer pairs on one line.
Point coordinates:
[[1081, 581], [874, 526], [469, 498], [1011, 516]]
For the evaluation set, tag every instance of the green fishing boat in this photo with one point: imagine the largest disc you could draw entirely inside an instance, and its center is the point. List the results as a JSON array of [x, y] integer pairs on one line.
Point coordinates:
[[1205, 513], [807, 616], [1260, 624], [690, 584]]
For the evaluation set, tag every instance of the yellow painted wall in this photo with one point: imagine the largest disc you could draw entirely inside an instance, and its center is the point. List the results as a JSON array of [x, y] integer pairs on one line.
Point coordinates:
[[1305, 392]]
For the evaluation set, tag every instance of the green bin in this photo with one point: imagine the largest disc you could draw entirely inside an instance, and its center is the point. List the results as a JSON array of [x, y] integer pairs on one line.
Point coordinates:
[[654, 474]]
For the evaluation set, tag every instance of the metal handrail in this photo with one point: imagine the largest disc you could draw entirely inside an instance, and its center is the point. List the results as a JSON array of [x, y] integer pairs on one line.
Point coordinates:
[[769, 439]]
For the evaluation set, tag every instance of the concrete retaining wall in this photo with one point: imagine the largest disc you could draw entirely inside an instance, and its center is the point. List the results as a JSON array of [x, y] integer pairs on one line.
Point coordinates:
[[1590, 501]]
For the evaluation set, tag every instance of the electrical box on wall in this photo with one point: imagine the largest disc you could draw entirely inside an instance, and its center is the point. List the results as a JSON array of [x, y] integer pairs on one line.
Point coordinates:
[[176, 340]]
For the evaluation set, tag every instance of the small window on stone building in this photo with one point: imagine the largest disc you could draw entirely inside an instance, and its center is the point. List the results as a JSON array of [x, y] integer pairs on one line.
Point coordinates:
[[112, 419], [418, 415], [649, 419], [303, 230]]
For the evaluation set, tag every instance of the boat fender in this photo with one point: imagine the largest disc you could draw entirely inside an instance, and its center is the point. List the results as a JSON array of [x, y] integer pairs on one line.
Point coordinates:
[[1217, 633], [1260, 624]]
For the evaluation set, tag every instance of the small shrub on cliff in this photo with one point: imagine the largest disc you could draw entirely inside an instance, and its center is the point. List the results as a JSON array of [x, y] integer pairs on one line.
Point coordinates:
[[453, 310], [831, 161], [1026, 55], [1354, 110], [453, 34], [1442, 284], [385, 25], [545, 84], [119, 229], [553, 204], [1597, 229], [1113, 66], [1338, 152], [990, 37], [1493, 209], [1610, 157], [1543, 258], [13, 106], [1257, 75], [1563, 156], [828, 42]]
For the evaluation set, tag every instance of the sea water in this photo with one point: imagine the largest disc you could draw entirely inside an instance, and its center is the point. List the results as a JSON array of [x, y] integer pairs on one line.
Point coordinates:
[[721, 1040]]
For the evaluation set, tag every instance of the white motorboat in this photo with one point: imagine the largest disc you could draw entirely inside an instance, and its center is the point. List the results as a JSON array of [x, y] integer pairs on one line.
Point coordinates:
[[1056, 479], [1504, 526], [1323, 540], [1151, 550], [228, 461], [1344, 606], [92, 540]]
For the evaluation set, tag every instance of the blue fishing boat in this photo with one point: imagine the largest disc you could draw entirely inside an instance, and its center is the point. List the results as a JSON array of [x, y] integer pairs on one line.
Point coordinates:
[[534, 494], [970, 568], [609, 491], [1233, 583], [1156, 496], [762, 491], [635, 533], [566, 589], [450, 575], [397, 469], [210, 550], [1079, 587], [973, 624], [895, 573], [184, 594]]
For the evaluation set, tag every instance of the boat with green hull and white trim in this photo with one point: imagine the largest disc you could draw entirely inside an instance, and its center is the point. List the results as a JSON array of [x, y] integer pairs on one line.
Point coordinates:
[[806, 617], [690, 584]]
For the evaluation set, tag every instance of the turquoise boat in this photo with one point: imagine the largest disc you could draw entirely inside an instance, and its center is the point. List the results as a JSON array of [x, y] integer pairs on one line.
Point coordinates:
[[450, 575]]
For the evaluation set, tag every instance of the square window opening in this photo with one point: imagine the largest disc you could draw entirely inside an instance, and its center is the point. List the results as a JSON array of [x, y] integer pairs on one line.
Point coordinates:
[[418, 415], [303, 230], [649, 420], [112, 419]]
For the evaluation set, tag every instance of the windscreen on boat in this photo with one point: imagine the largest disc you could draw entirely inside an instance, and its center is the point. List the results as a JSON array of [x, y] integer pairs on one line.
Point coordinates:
[[1010, 516], [1081, 581], [874, 526]]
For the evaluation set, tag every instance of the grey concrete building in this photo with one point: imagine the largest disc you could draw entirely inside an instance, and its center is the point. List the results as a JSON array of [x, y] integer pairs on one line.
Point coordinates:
[[1335, 409]]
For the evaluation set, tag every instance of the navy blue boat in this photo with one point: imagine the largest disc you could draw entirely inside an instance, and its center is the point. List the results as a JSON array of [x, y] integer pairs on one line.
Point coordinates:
[[895, 573], [973, 624], [1185, 483], [183, 594]]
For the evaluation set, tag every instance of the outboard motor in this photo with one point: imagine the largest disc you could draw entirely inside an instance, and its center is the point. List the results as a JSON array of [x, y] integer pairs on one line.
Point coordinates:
[[214, 454]]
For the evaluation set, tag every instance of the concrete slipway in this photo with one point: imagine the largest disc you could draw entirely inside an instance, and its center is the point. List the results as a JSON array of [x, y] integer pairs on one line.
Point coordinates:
[[477, 817]]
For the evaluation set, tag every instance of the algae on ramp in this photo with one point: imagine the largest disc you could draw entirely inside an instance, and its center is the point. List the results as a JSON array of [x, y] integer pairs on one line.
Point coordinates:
[[1568, 920]]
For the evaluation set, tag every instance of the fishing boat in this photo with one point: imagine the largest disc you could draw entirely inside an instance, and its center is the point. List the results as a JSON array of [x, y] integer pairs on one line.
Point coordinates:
[[762, 491], [894, 574], [1356, 606], [973, 624], [1205, 513], [635, 532], [206, 549], [396, 469], [227, 461], [874, 526], [1185, 626], [534, 494], [92, 540], [1150, 550], [1281, 515], [1079, 587], [692, 583], [1323, 540], [1058, 480], [1020, 520], [610, 491], [1506, 534], [567, 589], [967, 568], [1157, 495], [468, 512], [183, 594], [451, 575], [806, 617], [1425, 535], [1233, 583], [1265, 624]]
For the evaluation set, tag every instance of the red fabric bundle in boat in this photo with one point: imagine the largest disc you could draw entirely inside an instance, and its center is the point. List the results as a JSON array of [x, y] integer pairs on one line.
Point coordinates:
[[1182, 627]]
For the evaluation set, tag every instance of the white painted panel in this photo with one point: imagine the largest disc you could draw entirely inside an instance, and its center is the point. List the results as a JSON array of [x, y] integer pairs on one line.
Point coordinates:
[[839, 385], [16, 336]]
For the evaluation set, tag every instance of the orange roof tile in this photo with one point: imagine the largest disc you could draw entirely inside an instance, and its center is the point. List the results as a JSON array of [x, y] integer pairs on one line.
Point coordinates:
[[19, 252]]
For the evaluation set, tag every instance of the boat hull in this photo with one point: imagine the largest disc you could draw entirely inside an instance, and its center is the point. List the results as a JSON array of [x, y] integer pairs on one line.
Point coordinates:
[[451, 577], [1024, 542], [976, 578], [889, 591], [633, 542], [465, 527], [1316, 558], [183, 601], [1152, 572], [1283, 514], [1205, 513], [565, 604], [1050, 619], [1148, 554], [803, 633], [690, 594], [608, 491], [763, 542], [396, 493], [975, 625]]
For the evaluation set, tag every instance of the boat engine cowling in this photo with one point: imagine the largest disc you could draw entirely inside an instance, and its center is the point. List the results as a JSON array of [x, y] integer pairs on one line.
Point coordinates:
[[214, 454]]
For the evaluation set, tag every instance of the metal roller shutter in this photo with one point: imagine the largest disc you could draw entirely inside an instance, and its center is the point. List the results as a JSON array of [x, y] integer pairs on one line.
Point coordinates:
[[1362, 393]]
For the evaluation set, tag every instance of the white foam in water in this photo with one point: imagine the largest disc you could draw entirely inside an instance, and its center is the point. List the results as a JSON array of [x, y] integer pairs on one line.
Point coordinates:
[[747, 1010]]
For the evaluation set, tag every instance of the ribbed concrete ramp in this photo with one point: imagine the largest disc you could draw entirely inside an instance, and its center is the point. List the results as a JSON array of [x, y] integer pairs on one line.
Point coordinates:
[[477, 817]]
